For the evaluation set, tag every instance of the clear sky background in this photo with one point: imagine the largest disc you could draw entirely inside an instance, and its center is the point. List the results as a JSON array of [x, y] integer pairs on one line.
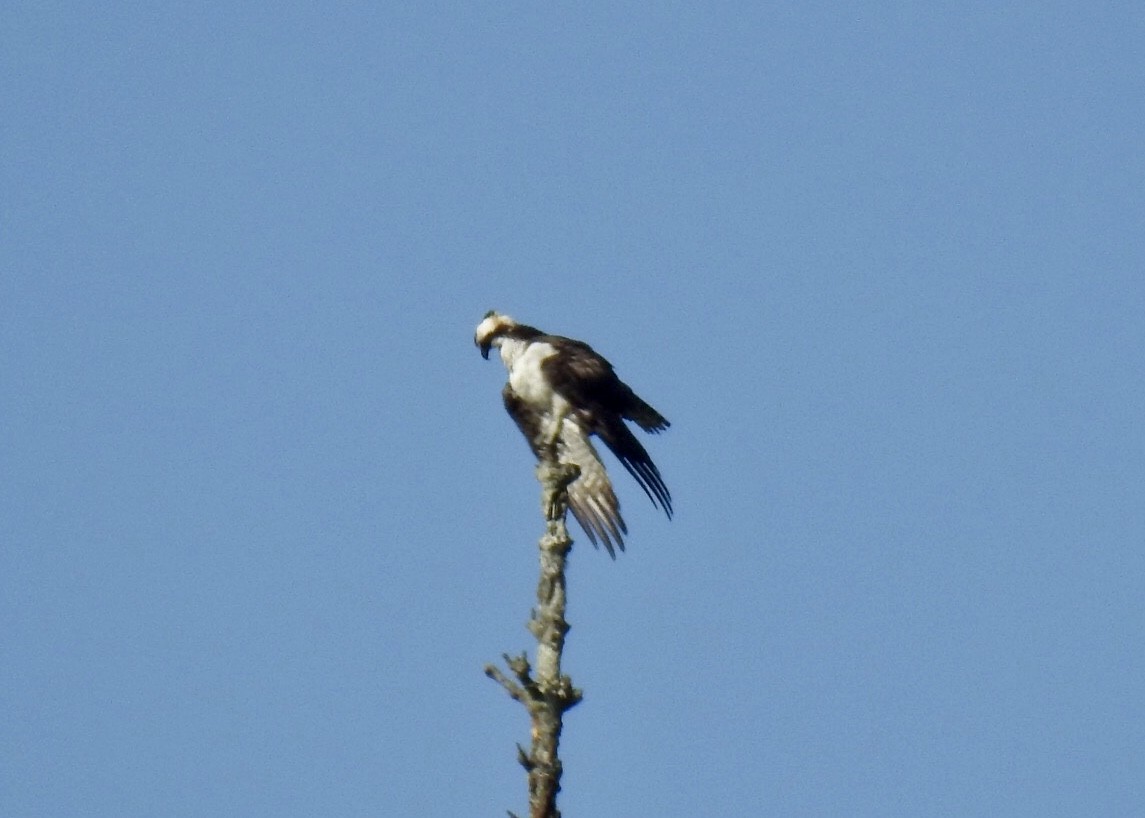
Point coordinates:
[[263, 519]]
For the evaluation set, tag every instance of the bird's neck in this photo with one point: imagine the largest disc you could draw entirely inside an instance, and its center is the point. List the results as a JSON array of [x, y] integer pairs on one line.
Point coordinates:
[[511, 351]]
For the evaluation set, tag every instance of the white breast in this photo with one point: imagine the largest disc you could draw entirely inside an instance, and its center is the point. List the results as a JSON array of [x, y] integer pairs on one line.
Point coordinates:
[[525, 375]]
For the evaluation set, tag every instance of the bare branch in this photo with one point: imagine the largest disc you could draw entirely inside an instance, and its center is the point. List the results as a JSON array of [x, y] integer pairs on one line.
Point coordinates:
[[545, 692]]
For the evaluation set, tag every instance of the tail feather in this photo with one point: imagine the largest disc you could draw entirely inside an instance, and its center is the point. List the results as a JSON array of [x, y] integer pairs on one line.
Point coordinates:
[[634, 457], [644, 415]]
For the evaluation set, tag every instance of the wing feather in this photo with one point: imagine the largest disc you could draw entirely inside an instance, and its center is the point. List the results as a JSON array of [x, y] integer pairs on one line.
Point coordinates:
[[635, 458], [586, 378], [592, 499]]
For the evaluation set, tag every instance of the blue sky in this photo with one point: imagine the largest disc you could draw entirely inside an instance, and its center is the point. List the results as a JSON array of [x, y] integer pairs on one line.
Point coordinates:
[[264, 520]]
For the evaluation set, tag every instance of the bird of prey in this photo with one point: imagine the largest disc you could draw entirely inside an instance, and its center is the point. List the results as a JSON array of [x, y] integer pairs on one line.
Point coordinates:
[[561, 393]]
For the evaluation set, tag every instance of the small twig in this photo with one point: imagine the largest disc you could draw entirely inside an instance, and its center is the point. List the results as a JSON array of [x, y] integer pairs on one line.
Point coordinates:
[[514, 690]]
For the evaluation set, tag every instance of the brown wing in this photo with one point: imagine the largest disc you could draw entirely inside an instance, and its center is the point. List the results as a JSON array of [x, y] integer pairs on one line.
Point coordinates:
[[591, 497], [587, 379], [589, 383]]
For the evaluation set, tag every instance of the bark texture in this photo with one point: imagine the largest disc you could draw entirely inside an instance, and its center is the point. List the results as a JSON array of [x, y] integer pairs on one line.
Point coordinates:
[[545, 692]]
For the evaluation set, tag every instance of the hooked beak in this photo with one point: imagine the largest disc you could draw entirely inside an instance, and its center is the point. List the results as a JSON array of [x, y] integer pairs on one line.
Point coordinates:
[[484, 346]]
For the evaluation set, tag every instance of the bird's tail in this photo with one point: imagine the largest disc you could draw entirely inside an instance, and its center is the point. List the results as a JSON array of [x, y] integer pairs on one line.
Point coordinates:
[[644, 415]]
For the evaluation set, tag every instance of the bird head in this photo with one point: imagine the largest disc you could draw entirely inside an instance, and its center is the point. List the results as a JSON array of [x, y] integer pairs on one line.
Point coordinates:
[[489, 332]]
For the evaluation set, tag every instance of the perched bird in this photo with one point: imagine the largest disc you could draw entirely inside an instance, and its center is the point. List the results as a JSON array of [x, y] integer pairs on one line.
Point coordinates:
[[560, 393]]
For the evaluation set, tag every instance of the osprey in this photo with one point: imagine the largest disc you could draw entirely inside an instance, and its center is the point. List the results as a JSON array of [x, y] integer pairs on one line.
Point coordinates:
[[560, 393]]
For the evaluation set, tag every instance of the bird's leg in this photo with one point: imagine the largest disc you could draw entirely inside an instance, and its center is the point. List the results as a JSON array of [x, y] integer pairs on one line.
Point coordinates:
[[552, 472], [555, 479], [550, 445]]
